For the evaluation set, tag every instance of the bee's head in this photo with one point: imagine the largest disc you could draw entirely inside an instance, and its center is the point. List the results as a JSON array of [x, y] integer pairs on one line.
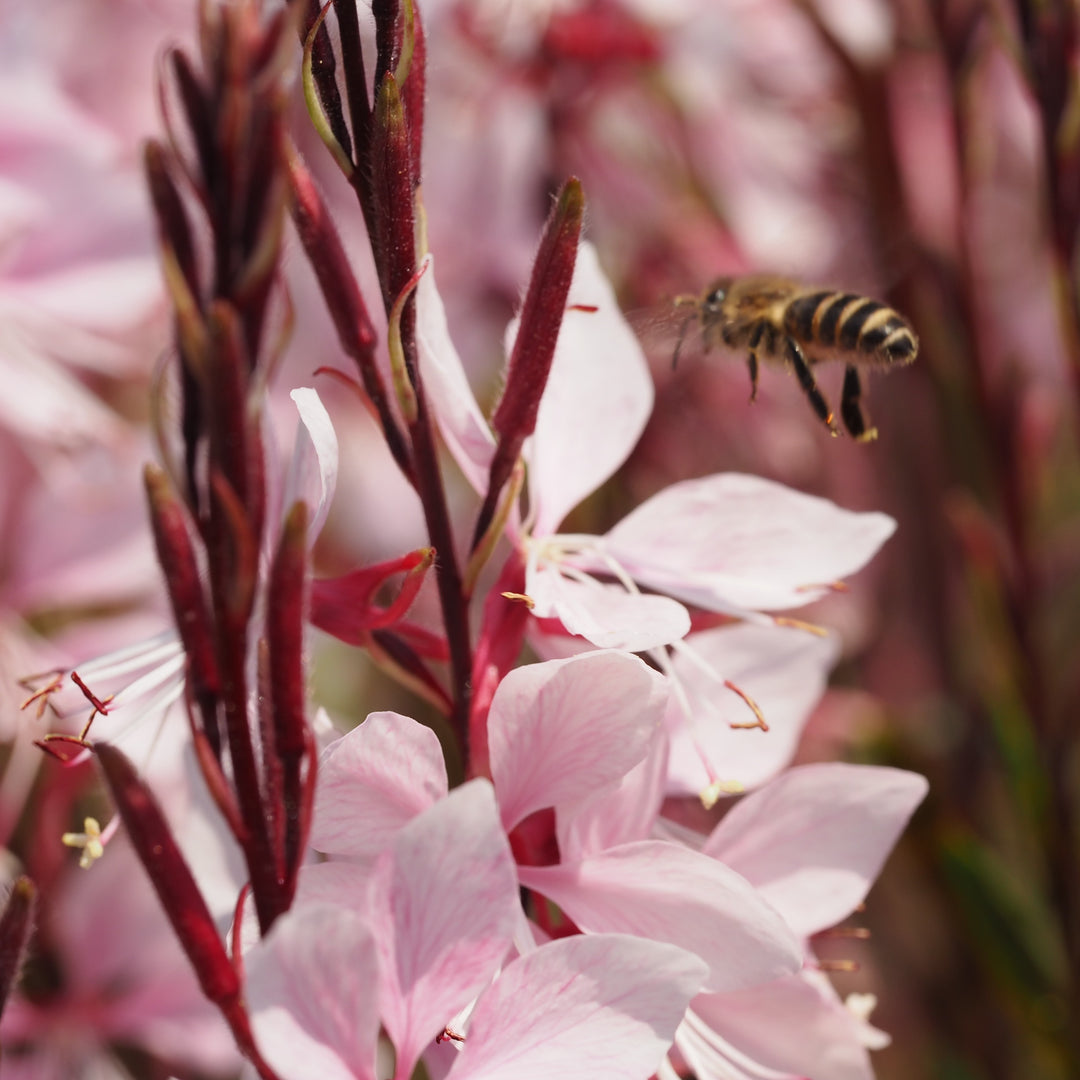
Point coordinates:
[[714, 297]]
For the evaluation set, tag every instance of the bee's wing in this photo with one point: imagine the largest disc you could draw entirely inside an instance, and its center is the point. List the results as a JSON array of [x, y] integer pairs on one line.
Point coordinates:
[[669, 331]]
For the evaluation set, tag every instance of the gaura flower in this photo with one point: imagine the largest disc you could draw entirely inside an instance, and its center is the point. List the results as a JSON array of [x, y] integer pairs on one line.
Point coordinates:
[[426, 934]]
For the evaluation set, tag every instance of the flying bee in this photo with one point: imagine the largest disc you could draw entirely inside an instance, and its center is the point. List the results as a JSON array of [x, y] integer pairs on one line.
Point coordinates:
[[783, 322]]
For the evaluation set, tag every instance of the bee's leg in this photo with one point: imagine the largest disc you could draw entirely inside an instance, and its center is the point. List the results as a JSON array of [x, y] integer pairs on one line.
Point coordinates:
[[809, 385], [752, 360], [855, 418]]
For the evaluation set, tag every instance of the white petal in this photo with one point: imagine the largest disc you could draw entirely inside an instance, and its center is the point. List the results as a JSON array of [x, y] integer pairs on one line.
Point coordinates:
[[740, 543], [814, 839], [373, 781], [313, 473], [562, 729], [603, 1006], [598, 397]]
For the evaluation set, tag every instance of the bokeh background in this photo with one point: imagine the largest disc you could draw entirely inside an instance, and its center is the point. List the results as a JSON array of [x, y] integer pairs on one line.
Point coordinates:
[[924, 152]]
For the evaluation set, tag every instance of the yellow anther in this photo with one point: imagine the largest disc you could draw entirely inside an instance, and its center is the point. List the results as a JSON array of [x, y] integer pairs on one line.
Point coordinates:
[[710, 796]]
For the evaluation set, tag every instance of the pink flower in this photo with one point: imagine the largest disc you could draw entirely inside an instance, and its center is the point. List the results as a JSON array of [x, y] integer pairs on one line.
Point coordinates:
[[812, 842], [436, 922], [566, 735]]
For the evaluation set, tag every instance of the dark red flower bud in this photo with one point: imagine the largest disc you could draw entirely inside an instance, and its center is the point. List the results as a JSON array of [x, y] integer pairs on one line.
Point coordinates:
[[534, 347], [16, 922]]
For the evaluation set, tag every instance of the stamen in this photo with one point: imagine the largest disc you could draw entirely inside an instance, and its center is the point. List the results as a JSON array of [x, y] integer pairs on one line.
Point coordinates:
[[528, 601], [837, 965], [448, 1035], [710, 796], [798, 624], [858, 933], [759, 718], [832, 586], [41, 695]]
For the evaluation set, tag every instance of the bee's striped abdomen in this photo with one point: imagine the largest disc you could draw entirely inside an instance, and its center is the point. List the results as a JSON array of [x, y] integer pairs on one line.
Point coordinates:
[[851, 323], [889, 337], [799, 316]]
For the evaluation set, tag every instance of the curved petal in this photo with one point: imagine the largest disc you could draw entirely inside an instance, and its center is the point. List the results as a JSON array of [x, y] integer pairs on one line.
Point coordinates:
[[790, 1027], [598, 397], [372, 782], [607, 615], [561, 729], [665, 892], [311, 993], [738, 543], [784, 671], [463, 427], [814, 839], [313, 473], [444, 905], [605, 1006], [619, 816]]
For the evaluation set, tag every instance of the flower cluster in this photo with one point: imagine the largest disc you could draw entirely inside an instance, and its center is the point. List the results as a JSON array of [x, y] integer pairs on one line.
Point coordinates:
[[524, 897]]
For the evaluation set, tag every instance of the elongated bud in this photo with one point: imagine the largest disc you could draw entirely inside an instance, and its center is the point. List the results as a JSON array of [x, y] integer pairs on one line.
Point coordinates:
[[323, 68], [332, 268], [197, 113], [15, 925], [541, 315], [343, 298], [534, 346], [171, 878], [392, 192], [176, 554], [285, 641], [173, 225]]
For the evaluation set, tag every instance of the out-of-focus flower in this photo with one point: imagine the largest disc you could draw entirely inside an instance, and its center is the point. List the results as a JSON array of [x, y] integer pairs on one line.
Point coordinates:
[[78, 282], [108, 975]]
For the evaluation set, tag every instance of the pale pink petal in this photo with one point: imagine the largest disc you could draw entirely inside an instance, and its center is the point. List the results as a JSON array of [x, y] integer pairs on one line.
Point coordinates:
[[372, 782], [444, 911], [42, 401], [462, 425], [626, 813], [562, 729], [603, 1006], [814, 839], [342, 884], [606, 615], [665, 892], [784, 671], [311, 993], [106, 295], [598, 397], [314, 468], [731, 542], [788, 1026]]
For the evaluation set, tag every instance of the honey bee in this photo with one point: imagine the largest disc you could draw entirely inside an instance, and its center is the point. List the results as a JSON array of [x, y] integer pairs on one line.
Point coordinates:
[[783, 322]]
